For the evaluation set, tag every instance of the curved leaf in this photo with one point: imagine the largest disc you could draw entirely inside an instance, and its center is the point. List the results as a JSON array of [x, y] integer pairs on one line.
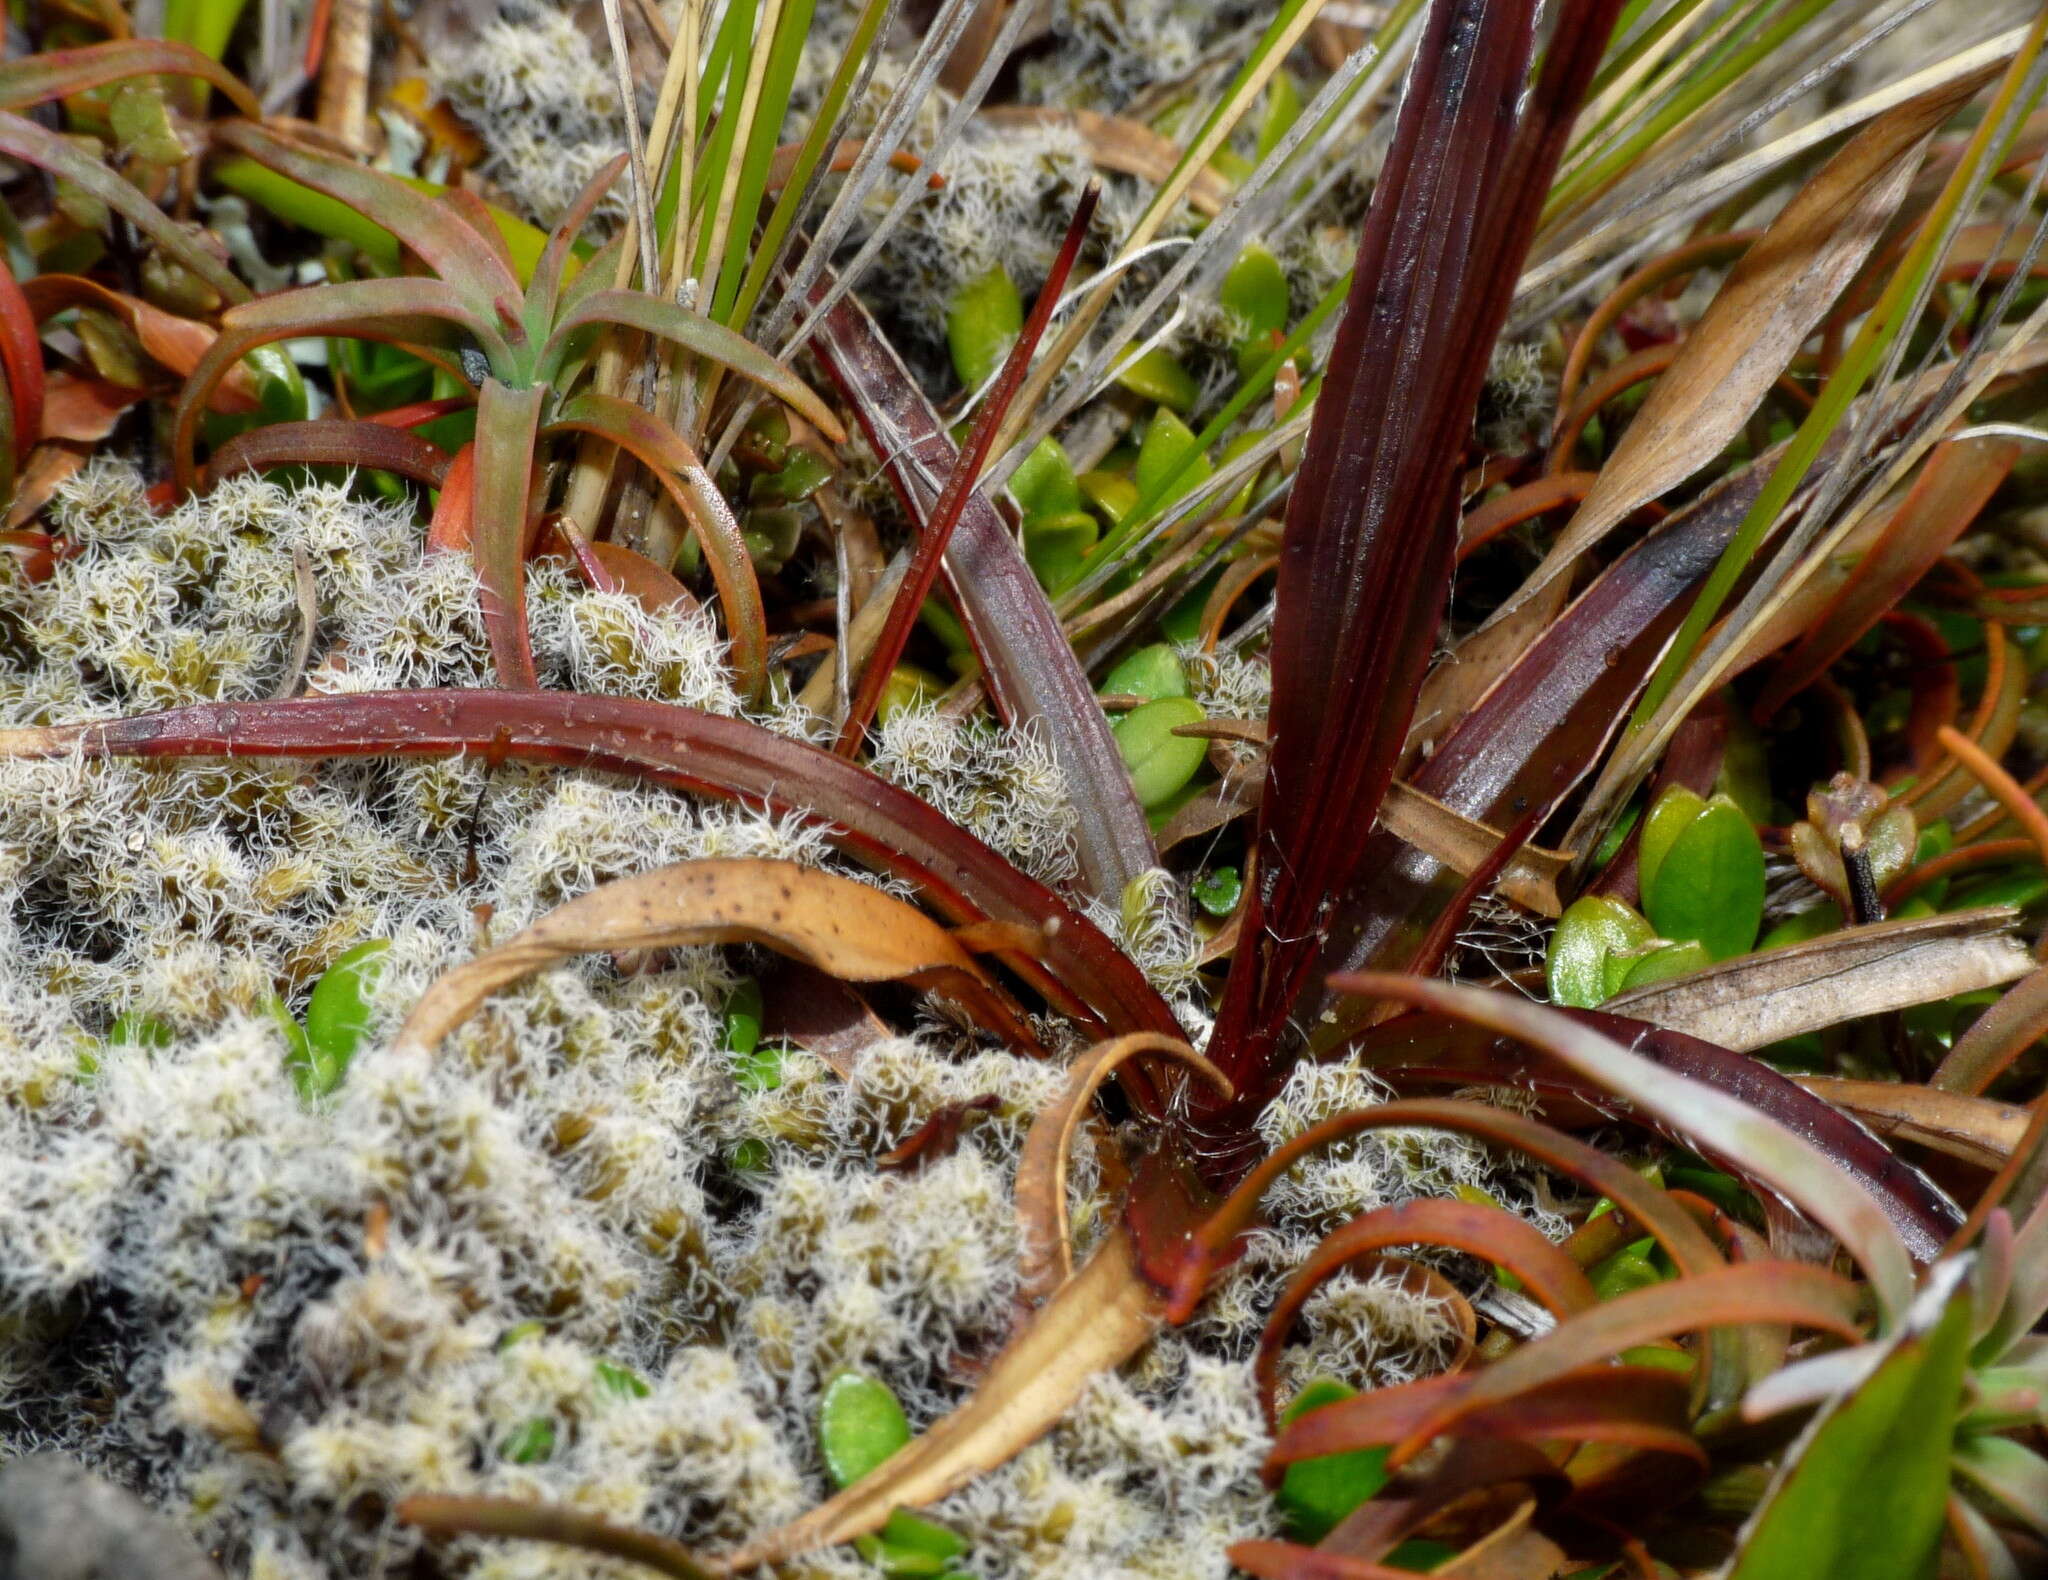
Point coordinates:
[[1079, 970], [1410, 1415], [441, 238], [59, 73], [21, 138], [331, 442], [676, 466], [1484, 1231], [1186, 1267], [839, 926], [1788, 1162], [1040, 1192], [402, 311], [695, 333]]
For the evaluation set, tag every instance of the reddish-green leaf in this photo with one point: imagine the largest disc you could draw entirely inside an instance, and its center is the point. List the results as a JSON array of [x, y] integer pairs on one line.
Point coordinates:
[[1861, 1495], [21, 138], [331, 441], [21, 359], [1410, 1415], [1490, 1232], [59, 73], [1789, 1163], [1078, 968], [676, 467], [507, 429], [408, 312], [695, 333], [442, 239]]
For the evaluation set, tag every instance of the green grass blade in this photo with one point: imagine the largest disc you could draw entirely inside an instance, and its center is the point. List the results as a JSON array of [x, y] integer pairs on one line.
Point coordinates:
[[1861, 1496], [797, 188], [764, 132]]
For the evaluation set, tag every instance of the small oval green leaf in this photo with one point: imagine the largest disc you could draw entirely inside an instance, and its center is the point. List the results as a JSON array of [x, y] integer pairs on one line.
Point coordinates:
[[982, 320], [1151, 672], [338, 1014], [1157, 376], [1160, 761], [1593, 929], [860, 1424], [1710, 884]]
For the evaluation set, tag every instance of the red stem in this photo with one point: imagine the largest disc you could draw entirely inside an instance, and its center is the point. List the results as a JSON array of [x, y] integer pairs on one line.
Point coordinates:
[[931, 547]]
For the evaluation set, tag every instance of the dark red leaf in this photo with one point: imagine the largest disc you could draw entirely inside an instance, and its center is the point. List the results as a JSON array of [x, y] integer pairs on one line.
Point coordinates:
[[937, 528], [1372, 525], [1030, 667], [1428, 1047], [1081, 970]]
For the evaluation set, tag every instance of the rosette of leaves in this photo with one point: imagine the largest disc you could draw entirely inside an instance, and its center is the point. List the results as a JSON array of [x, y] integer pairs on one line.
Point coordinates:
[[521, 350]]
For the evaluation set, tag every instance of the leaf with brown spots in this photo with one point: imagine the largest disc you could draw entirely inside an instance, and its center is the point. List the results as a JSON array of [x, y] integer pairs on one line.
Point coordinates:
[[844, 928]]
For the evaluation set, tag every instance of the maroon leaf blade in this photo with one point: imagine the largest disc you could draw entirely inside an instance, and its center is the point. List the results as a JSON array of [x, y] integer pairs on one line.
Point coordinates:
[[1371, 527], [1080, 970], [1031, 669], [938, 529], [1433, 1049]]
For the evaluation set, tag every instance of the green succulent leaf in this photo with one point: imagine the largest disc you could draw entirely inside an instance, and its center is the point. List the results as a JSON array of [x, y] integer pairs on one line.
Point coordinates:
[[1708, 883], [1160, 761], [910, 1547], [860, 1424], [1158, 376], [1044, 482], [1255, 290], [1672, 960], [1672, 814], [1861, 1495], [1315, 1494], [983, 321], [1151, 672], [1170, 461], [1218, 890], [1590, 949], [338, 1016]]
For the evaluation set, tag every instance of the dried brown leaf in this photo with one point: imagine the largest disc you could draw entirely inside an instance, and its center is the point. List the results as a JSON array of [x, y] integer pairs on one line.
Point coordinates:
[[1755, 1000], [835, 924], [1769, 304], [1975, 1129], [1097, 1321], [1041, 1190], [1463, 844]]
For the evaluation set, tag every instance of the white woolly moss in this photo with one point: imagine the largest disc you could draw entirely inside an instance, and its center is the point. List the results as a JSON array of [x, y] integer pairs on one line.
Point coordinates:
[[999, 783], [276, 1318], [536, 84]]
